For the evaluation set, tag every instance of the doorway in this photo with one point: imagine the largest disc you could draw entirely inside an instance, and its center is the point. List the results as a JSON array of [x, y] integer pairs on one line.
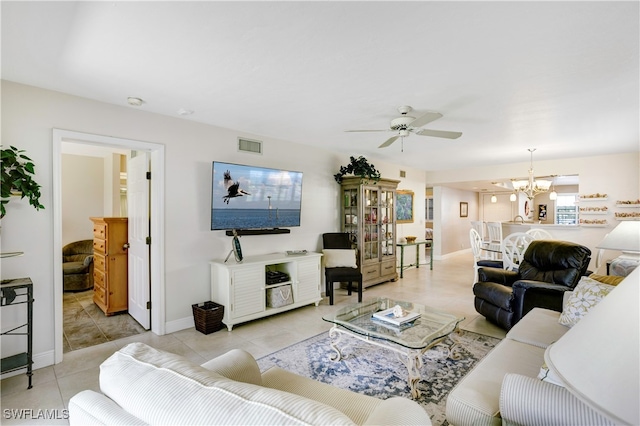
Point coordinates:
[[156, 271]]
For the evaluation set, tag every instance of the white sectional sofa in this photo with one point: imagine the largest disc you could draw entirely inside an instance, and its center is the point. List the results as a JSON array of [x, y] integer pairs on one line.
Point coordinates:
[[603, 348], [142, 385]]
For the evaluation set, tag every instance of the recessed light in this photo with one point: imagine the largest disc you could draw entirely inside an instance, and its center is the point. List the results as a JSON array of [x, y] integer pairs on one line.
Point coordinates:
[[184, 111], [134, 101]]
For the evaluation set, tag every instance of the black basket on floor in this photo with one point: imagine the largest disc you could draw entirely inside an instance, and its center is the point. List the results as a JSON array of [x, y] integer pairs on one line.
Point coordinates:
[[208, 317]]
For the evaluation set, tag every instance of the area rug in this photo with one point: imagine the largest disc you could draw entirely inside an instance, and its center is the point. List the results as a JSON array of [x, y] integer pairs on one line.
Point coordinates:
[[378, 372]]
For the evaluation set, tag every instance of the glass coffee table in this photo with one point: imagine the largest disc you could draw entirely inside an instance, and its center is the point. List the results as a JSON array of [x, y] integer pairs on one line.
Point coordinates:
[[409, 340]]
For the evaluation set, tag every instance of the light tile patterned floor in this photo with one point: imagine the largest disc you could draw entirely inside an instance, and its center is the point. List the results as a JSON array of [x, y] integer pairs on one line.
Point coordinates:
[[447, 287]]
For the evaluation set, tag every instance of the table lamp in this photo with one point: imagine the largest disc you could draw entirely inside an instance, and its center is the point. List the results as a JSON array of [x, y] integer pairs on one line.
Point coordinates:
[[625, 238]]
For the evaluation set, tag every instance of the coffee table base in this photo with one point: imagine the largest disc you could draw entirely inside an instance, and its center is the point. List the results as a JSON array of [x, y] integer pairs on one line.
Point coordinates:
[[411, 358]]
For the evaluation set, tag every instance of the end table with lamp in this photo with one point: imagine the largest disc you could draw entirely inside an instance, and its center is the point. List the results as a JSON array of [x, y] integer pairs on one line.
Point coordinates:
[[625, 238]]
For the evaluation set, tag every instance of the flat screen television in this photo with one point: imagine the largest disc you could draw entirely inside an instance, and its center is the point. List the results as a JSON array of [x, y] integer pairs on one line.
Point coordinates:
[[250, 197]]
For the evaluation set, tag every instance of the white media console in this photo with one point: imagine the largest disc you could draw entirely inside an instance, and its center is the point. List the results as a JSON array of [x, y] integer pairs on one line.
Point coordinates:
[[242, 287]]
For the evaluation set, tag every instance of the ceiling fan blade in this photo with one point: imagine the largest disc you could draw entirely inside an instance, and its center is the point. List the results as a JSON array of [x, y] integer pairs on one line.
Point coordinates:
[[385, 130], [439, 133], [389, 141], [425, 119]]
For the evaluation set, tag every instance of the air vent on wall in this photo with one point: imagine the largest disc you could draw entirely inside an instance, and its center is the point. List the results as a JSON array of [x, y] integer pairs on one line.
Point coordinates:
[[248, 145], [403, 174]]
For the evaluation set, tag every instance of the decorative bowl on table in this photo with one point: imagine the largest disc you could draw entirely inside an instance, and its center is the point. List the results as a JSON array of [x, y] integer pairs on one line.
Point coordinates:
[[410, 239]]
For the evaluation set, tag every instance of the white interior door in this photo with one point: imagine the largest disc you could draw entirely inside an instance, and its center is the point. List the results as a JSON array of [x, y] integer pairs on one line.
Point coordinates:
[[138, 212]]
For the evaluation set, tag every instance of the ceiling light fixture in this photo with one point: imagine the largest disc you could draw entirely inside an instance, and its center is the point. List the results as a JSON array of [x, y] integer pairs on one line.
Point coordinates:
[[133, 101], [553, 195], [531, 187], [184, 111]]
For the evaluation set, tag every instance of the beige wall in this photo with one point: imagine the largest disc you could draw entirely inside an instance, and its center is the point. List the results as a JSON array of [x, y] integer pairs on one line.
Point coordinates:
[[28, 116]]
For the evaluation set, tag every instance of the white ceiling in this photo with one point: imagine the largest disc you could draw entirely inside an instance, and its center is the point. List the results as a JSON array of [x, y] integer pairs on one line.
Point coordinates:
[[562, 77]]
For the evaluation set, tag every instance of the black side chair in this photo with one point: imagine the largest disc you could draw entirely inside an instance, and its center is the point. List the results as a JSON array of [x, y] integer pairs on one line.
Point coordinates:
[[340, 240]]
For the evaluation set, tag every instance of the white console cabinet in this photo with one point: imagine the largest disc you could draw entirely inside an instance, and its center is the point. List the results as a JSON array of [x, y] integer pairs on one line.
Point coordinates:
[[242, 287]]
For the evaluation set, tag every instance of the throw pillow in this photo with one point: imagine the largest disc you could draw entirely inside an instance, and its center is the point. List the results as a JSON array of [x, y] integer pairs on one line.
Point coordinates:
[[339, 258], [587, 294], [607, 279]]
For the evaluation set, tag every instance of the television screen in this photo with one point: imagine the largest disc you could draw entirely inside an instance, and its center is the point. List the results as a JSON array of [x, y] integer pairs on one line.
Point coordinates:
[[249, 197]]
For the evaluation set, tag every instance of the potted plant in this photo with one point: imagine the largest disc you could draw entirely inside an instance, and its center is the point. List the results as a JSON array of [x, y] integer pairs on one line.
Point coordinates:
[[358, 167], [17, 179]]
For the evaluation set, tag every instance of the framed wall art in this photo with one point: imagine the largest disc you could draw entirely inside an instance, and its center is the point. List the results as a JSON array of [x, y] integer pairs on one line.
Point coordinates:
[[404, 206], [464, 209]]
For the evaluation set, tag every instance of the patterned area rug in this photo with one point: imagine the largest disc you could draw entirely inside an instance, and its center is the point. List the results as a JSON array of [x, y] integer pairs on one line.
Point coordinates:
[[378, 372]]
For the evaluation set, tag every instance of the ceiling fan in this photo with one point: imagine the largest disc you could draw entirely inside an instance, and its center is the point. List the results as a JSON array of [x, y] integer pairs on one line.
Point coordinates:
[[406, 124]]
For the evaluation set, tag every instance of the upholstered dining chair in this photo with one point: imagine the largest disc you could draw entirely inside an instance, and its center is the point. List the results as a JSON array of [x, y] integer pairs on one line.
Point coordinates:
[[340, 263], [513, 248], [478, 225], [539, 234], [494, 234], [480, 259]]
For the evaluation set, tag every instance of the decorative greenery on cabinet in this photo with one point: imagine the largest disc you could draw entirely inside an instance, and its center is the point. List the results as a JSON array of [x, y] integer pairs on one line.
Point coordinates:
[[17, 179]]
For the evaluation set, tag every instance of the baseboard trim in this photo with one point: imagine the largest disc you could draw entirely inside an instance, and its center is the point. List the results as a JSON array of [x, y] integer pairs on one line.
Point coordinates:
[[41, 360], [179, 324]]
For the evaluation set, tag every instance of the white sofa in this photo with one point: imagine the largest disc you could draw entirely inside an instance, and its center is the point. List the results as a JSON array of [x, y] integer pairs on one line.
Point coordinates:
[[143, 385], [504, 387]]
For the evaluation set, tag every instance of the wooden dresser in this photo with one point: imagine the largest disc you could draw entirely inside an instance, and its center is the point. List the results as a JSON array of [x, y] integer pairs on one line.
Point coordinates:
[[110, 236]]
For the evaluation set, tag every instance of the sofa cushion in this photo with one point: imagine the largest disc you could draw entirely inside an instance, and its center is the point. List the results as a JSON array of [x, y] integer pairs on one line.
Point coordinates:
[[475, 400], [607, 279], [162, 388], [539, 327], [238, 365], [528, 401], [587, 294]]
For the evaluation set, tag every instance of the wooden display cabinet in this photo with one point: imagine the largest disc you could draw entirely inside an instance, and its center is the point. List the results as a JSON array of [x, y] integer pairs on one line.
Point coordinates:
[[368, 214]]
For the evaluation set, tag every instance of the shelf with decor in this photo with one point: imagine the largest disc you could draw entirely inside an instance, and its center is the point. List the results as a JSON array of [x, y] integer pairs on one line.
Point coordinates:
[[594, 222], [598, 211], [593, 197], [627, 205]]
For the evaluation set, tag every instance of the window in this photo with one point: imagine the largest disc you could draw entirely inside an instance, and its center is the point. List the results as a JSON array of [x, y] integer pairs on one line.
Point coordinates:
[[567, 209]]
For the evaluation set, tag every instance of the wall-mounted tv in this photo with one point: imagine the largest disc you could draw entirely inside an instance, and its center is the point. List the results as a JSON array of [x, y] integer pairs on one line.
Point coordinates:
[[250, 197]]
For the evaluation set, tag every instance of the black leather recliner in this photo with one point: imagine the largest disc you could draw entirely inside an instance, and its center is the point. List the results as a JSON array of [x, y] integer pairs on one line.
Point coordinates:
[[549, 268]]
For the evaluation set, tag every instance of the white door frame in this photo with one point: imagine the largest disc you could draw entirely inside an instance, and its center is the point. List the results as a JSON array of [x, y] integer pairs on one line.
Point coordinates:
[[157, 275]]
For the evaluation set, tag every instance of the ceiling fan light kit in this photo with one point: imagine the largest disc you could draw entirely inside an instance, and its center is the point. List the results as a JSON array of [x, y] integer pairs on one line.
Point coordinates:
[[407, 124]]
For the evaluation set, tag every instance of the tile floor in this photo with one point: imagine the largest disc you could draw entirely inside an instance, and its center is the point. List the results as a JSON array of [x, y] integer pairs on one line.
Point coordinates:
[[84, 324], [447, 287]]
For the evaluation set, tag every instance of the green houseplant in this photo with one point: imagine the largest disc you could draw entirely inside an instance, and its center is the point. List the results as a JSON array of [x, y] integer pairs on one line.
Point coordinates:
[[17, 178], [358, 167]]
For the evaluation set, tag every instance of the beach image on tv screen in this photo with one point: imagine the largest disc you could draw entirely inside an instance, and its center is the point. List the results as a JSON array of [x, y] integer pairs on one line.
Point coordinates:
[[248, 197]]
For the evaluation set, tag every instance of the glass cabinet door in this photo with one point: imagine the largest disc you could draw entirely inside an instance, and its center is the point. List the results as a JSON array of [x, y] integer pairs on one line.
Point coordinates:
[[350, 219], [371, 217], [386, 223]]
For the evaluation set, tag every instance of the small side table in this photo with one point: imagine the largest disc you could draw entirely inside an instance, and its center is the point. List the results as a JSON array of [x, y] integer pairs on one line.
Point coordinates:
[[19, 291], [417, 264]]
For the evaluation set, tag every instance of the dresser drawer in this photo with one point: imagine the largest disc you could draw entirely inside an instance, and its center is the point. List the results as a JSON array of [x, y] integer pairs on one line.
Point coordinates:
[[370, 272], [99, 279], [99, 295], [99, 262], [99, 231], [99, 246], [388, 268]]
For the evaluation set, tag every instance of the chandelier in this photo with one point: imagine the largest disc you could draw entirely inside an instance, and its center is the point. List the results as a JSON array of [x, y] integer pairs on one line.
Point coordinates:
[[531, 187]]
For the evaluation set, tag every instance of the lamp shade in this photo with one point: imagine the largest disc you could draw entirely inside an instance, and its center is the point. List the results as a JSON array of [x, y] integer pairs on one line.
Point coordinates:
[[624, 237], [597, 359]]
